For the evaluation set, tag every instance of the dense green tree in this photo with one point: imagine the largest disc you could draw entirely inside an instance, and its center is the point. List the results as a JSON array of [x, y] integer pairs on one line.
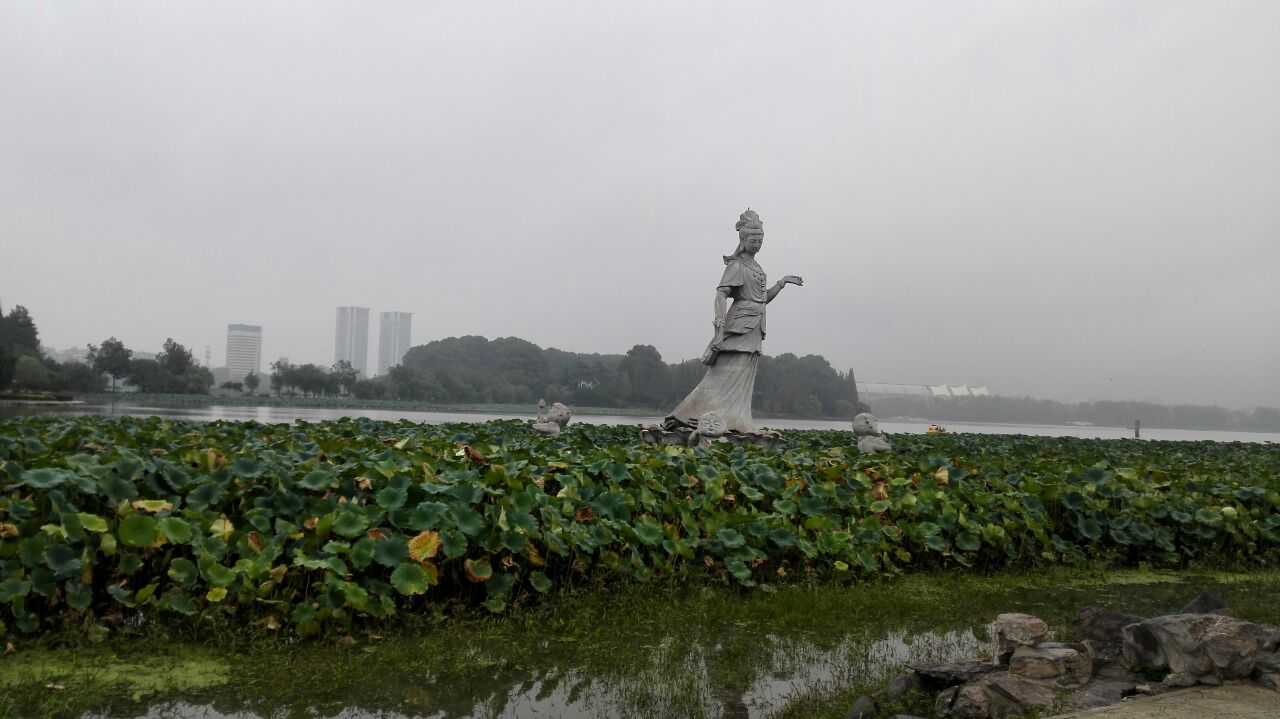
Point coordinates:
[[343, 375], [80, 377], [251, 382], [647, 376], [112, 358], [18, 332], [174, 358], [8, 364], [32, 374]]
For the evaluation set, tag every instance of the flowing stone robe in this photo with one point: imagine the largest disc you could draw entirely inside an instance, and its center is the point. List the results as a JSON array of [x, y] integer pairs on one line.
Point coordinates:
[[731, 377]]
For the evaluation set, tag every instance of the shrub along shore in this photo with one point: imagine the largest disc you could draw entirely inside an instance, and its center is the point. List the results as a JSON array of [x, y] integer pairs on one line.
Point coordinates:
[[336, 524]]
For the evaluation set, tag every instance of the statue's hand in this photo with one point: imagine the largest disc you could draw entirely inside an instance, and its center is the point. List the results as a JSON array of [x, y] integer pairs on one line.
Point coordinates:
[[793, 279], [718, 322]]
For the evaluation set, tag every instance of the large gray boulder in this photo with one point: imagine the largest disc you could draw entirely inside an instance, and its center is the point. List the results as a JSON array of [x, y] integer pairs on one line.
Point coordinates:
[[1195, 647]]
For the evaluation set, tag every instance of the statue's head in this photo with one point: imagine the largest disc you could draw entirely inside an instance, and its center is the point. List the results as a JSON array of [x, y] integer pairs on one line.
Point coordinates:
[[866, 424], [750, 234]]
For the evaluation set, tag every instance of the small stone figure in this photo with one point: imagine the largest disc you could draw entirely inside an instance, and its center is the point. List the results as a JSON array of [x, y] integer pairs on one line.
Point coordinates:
[[551, 421], [711, 426], [867, 429]]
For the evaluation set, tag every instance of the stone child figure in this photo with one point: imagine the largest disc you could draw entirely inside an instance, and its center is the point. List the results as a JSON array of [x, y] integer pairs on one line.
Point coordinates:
[[734, 353]]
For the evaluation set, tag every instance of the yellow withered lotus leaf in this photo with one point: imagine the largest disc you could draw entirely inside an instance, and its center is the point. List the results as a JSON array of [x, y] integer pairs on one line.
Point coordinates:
[[222, 527], [424, 546], [375, 533], [255, 542], [433, 573], [152, 505]]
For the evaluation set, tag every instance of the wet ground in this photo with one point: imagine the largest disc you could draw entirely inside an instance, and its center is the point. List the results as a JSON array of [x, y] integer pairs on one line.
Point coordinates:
[[626, 652]]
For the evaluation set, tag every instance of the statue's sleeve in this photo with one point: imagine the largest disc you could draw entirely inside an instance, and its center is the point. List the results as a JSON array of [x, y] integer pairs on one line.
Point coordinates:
[[733, 275]]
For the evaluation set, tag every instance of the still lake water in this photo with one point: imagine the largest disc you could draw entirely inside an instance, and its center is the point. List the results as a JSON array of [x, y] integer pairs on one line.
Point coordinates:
[[311, 414]]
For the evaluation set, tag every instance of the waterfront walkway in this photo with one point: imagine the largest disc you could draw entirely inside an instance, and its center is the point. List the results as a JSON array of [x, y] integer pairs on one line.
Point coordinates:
[[1236, 701]]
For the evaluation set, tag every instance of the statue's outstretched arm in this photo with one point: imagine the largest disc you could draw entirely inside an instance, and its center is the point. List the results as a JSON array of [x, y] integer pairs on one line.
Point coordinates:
[[777, 286]]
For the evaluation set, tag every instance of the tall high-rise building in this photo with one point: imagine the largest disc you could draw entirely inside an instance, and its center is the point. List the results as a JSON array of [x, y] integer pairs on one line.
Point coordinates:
[[244, 351], [351, 341], [393, 339]]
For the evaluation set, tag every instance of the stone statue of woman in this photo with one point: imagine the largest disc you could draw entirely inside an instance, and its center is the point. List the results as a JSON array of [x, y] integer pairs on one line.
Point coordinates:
[[734, 353]]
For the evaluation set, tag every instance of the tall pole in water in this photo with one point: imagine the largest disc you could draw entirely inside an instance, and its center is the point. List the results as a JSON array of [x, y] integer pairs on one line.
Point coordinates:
[[1137, 429]]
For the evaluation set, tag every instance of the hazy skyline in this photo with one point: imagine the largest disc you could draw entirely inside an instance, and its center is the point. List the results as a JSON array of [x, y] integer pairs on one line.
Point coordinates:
[[1058, 199]]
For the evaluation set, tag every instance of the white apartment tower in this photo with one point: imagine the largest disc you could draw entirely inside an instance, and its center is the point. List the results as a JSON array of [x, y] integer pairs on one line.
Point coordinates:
[[351, 341], [244, 351], [393, 339]]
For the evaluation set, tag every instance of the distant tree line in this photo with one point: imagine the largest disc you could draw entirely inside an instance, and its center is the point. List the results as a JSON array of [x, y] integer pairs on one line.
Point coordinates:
[[510, 370], [1028, 410], [24, 366]]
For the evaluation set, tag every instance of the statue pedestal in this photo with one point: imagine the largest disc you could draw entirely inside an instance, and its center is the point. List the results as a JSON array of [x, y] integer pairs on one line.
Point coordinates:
[[686, 436]]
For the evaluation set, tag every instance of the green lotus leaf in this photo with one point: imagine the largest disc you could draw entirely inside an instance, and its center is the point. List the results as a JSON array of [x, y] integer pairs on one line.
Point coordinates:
[[650, 534], [540, 582], [175, 600], [362, 553], [176, 529], [137, 530], [117, 488], [730, 538], [247, 467], [79, 595], [13, 587], [409, 579], [350, 523], [390, 552], [469, 521], [62, 560], [92, 522], [1089, 528], [319, 479], [44, 478], [391, 498]]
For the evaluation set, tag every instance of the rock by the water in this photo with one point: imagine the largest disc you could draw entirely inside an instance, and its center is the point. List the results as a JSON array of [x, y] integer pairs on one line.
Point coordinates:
[[996, 695], [1267, 662], [937, 676], [1063, 666], [967, 701], [1015, 630], [1195, 645], [874, 445], [905, 716], [1100, 630], [1100, 692], [1020, 692], [866, 425], [903, 686], [1206, 602], [863, 707]]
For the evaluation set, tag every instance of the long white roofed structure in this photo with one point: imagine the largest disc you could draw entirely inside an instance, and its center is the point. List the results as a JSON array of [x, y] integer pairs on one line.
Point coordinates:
[[884, 389]]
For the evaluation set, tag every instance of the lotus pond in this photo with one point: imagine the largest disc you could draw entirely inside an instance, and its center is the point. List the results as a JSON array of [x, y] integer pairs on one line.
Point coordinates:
[[300, 544]]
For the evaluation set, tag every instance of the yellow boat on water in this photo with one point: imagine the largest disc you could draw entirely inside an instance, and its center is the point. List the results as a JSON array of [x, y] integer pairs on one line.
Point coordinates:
[[937, 429]]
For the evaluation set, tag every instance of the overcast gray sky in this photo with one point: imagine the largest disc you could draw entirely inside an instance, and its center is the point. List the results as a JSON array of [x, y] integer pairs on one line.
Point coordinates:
[[1052, 198]]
